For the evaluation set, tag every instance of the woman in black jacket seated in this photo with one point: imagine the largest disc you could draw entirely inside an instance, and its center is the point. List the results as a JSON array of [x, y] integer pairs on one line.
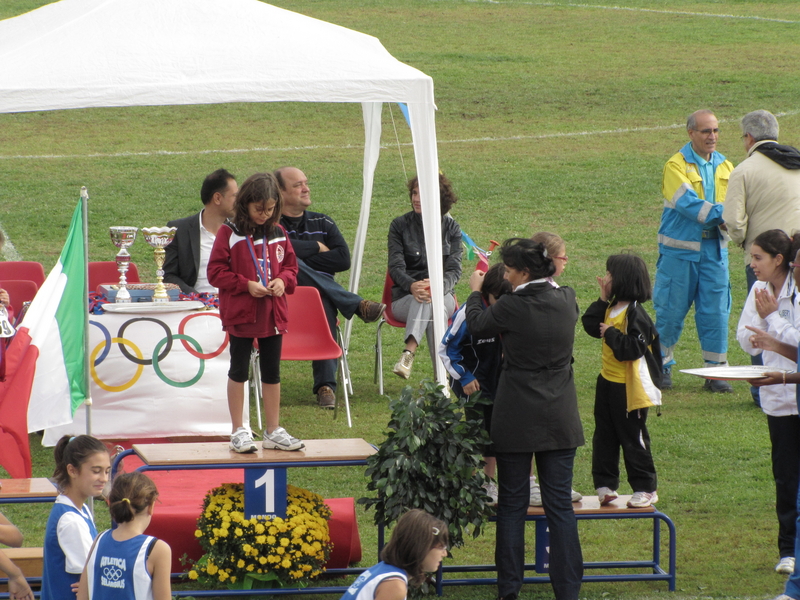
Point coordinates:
[[408, 268], [535, 412]]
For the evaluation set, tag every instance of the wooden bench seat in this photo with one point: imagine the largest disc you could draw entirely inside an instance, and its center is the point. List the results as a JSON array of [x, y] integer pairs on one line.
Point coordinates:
[[18, 491], [29, 560]]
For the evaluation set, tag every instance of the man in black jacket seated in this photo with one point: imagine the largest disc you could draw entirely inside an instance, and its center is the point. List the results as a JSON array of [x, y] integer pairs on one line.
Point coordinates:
[[186, 257], [321, 253]]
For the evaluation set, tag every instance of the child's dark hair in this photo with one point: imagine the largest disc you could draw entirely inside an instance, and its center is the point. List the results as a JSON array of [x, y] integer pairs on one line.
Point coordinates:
[[415, 534], [630, 280], [495, 283], [131, 493], [523, 254], [73, 451], [775, 242], [257, 189]]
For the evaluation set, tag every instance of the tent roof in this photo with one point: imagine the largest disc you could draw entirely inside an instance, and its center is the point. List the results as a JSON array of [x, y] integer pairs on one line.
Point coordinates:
[[93, 53]]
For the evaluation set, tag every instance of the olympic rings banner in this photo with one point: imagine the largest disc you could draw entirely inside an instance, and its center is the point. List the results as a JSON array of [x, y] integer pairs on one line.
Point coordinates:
[[158, 375]]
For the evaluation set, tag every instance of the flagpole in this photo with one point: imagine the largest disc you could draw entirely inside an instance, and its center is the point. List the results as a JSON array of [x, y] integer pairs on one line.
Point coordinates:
[[88, 400]]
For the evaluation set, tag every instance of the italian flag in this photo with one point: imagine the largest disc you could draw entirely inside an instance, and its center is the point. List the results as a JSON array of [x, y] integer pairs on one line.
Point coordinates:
[[45, 360], [56, 324]]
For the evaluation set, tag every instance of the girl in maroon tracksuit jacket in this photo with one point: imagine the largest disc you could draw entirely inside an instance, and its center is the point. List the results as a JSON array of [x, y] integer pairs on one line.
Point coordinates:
[[253, 265]]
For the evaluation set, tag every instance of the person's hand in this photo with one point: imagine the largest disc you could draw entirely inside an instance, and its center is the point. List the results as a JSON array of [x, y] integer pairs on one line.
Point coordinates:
[[323, 247], [771, 378], [766, 303], [762, 339], [603, 327], [276, 287], [472, 387], [256, 289], [723, 226], [4, 298], [421, 290], [18, 588], [605, 286], [476, 280]]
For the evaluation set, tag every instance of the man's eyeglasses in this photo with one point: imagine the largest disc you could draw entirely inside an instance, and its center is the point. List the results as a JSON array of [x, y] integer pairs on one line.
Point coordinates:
[[565, 258], [793, 266], [708, 131]]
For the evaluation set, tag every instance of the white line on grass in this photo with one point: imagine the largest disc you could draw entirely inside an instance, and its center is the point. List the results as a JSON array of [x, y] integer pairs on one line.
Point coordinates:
[[648, 10], [542, 136]]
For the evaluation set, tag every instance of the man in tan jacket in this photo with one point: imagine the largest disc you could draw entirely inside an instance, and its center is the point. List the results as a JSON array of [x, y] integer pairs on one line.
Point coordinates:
[[764, 190]]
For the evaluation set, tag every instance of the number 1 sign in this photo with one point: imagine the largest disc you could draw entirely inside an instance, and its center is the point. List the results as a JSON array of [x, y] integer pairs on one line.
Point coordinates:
[[264, 493]]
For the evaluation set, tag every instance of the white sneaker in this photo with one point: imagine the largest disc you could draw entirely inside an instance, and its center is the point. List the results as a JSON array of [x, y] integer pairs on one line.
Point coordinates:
[[280, 439], [491, 490], [242, 442], [606, 495], [403, 366], [536, 495], [643, 499], [783, 597], [785, 566]]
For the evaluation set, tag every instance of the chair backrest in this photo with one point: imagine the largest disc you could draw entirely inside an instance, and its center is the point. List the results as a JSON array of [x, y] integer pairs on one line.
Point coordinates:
[[22, 270], [388, 315], [105, 272], [19, 292], [309, 336]]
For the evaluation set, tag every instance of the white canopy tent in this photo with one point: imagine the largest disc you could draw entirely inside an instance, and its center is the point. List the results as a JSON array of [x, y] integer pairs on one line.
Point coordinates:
[[113, 53]]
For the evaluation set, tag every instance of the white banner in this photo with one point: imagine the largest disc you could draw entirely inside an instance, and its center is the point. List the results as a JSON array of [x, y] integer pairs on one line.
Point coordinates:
[[155, 375]]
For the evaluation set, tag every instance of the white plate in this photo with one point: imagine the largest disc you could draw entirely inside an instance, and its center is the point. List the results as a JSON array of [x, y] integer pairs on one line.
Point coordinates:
[[153, 307], [733, 373]]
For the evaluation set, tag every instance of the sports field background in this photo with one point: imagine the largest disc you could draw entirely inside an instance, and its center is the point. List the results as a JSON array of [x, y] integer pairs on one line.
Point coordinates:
[[552, 115]]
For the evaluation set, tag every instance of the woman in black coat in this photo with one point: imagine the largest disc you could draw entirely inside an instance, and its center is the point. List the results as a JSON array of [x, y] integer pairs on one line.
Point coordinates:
[[535, 413]]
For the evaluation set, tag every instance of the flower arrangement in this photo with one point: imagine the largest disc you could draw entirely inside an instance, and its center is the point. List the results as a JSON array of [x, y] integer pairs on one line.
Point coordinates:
[[261, 552]]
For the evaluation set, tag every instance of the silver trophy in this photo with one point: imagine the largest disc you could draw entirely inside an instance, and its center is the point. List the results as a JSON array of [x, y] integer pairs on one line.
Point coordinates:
[[159, 238], [123, 238]]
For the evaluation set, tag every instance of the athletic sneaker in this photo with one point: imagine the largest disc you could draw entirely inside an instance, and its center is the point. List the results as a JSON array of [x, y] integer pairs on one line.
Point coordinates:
[[242, 442], [403, 366], [783, 597], [785, 566], [280, 439], [643, 499], [491, 490], [606, 495], [536, 495], [666, 379]]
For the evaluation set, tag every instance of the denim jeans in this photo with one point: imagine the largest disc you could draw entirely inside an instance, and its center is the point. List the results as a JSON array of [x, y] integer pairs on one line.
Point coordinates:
[[555, 480]]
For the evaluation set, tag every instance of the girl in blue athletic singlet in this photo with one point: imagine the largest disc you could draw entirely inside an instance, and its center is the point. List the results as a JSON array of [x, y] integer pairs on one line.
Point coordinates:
[[82, 469], [125, 564], [418, 545]]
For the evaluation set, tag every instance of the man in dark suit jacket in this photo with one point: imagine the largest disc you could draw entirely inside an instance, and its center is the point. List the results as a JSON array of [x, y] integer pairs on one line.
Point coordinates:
[[321, 253], [187, 255]]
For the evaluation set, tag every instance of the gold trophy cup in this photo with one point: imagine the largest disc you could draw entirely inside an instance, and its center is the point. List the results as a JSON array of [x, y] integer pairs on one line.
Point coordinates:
[[159, 238]]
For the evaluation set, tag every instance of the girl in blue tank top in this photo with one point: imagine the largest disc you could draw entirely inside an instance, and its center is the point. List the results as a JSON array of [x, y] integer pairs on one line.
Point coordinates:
[[418, 545], [124, 563], [82, 468]]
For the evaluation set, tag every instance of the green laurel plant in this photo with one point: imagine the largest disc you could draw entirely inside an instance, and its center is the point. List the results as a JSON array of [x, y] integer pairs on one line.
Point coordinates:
[[431, 459]]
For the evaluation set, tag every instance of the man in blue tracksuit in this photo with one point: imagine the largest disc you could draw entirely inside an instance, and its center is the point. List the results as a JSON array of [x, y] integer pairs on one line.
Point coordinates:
[[692, 244]]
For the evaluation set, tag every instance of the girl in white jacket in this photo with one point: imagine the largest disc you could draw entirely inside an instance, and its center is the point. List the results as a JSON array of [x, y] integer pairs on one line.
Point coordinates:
[[772, 305]]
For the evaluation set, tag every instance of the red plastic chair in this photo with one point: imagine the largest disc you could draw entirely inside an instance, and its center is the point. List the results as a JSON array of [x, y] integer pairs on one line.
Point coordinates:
[[19, 291], [388, 317], [105, 272], [22, 270], [309, 338]]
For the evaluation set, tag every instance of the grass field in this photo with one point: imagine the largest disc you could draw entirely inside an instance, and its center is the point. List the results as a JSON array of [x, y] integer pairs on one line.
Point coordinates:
[[552, 115]]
